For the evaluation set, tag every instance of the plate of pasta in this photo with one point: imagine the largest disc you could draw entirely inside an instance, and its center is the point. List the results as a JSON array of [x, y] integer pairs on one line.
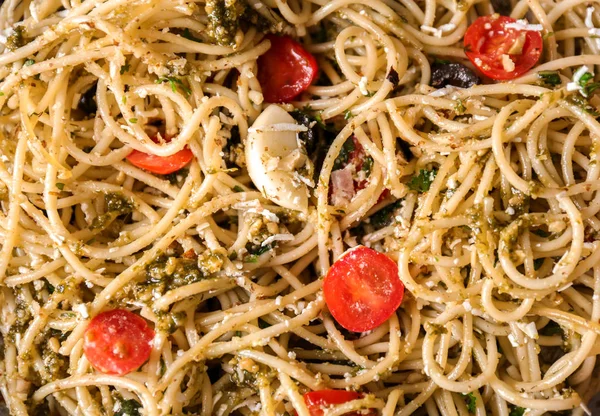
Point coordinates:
[[301, 207]]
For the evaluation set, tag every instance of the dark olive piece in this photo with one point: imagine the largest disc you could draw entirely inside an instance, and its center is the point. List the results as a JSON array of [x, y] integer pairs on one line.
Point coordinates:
[[452, 73], [503, 7], [87, 102]]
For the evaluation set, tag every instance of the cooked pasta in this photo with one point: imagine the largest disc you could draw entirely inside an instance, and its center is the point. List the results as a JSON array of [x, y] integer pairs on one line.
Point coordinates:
[[485, 193]]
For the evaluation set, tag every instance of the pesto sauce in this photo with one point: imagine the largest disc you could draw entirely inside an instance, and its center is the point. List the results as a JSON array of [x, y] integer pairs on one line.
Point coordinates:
[[223, 20], [17, 39]]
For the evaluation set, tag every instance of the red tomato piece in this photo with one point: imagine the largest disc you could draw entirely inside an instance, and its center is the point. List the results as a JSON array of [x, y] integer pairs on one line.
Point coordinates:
[[363, 289], [285, 70], [317, 401], [488, 40], [163, 165], [117, 342]]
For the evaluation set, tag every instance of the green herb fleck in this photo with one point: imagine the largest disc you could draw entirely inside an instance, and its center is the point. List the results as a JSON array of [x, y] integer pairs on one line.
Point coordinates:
[[422, 182], [367, 165], [174, 83], [459, 107], [344, 156], [551, 78], [125, 68], [133, 120], [60, 186], [471, 402], [588, 87], [29, 62], [347, 115], [517, 411], [238, 188], [129, 408], [385, 215]]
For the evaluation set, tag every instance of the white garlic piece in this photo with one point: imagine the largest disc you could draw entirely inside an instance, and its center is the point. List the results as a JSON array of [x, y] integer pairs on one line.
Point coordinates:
[[273, 157]]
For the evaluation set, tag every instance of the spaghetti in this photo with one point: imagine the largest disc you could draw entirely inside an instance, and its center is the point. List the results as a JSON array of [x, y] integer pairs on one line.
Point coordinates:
[[486, 197]]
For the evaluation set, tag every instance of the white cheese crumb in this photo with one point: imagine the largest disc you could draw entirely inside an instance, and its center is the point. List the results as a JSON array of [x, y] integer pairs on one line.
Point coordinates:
[[510, 211], [528, 329], [507, 63], [277, 237], [82, 309], [362, 86], [524, 25]]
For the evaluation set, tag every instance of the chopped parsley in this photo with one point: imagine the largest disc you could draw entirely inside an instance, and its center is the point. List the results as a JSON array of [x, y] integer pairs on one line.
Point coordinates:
[[459, 107], [587, 86], [367, 165], [28, 62], [174, 82], [347, 115], [550, 78], [471, 402], [517, 411], [60, 186], [422, 182], [133, 120], [238, 188], [125, 68], [255, 252], [344, 156], [129, 408], [384, 216]]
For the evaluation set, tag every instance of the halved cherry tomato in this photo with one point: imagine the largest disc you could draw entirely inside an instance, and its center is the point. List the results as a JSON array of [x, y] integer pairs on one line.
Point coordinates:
[[317, 401], [163, 165], [363, 289], [117, 342], [488, 39], [285, 70]]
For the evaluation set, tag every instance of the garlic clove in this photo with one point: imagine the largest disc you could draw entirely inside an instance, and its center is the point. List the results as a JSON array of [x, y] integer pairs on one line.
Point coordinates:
[[273, 153]]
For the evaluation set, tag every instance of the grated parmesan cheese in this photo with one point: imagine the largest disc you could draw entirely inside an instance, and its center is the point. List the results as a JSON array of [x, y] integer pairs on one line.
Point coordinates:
[[524, 25], [362, 86]]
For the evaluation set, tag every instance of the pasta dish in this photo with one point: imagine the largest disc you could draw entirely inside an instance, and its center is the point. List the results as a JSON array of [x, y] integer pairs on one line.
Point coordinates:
[[301, 207]]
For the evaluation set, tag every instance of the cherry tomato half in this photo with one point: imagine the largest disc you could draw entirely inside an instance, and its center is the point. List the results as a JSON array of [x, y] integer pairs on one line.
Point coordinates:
[[363, 289], [502, 52], [117, 342], [163, 165], [316, 401], [285, 70]]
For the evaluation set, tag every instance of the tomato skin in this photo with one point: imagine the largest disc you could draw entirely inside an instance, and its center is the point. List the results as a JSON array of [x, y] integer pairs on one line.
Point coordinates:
[[163, 165], [285, 70], [117, 342], [317, 400], [363, 289], [485, 47]]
